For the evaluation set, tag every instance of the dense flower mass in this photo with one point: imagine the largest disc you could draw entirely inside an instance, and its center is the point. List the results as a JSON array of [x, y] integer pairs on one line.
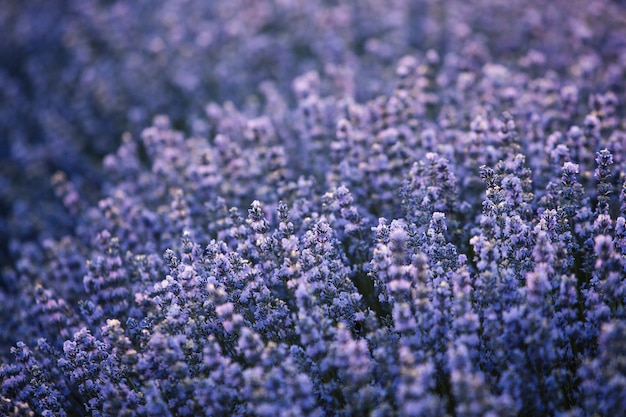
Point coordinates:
[[313, 208]]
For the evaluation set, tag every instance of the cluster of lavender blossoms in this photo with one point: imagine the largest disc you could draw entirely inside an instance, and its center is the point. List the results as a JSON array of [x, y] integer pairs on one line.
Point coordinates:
[[376, 208]]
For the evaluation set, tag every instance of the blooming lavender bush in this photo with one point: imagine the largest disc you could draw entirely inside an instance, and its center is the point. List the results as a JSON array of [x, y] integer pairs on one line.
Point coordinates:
[[411, 208]]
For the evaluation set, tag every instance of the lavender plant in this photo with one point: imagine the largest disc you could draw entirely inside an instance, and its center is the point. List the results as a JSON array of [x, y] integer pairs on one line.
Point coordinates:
[[424, 215]]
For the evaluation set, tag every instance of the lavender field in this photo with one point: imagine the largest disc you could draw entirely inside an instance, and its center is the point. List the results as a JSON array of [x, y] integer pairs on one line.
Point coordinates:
[[313, 208]]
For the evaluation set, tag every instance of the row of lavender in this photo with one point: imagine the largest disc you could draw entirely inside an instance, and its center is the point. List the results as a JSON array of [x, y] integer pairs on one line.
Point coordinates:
[[454, 246], [458, 266]]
